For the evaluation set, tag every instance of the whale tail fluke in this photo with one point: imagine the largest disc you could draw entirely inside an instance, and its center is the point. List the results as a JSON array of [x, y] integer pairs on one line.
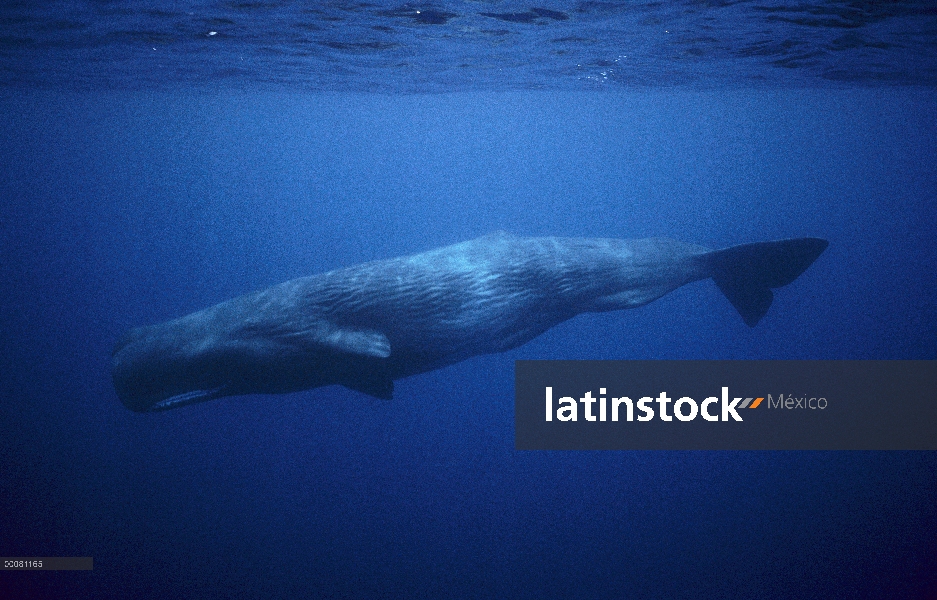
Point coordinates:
[[747, 273]]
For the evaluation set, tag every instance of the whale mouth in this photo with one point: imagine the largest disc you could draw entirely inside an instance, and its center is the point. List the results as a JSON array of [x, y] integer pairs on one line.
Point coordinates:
[[186, 398]]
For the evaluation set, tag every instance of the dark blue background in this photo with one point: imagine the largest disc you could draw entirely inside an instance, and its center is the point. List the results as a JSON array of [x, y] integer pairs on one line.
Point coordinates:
[[121, 209]]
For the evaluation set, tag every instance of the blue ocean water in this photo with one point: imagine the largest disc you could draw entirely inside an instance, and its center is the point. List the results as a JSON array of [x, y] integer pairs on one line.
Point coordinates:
[[138, 185]]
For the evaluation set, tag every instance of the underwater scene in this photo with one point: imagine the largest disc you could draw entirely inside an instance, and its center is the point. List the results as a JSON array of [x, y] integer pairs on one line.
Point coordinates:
[[158, 158]]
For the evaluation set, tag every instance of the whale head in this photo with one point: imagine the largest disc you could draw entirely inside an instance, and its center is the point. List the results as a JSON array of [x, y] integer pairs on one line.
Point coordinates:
[[153, 371]]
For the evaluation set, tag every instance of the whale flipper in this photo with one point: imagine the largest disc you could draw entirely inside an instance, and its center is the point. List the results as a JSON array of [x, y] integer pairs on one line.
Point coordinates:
[[354, 341], [747, 273]]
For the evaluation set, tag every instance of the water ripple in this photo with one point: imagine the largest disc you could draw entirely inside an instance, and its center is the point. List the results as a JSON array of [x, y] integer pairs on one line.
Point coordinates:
[[462, 45]]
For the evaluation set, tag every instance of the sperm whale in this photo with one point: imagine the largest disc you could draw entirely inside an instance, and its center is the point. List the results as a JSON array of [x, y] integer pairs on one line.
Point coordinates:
[[366, 325]]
